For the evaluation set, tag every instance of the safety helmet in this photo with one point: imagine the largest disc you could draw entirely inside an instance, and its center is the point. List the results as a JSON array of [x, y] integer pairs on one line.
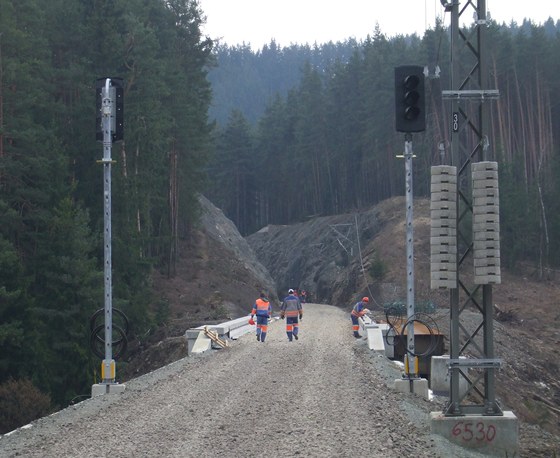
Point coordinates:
[[290, 291], [365, 299]]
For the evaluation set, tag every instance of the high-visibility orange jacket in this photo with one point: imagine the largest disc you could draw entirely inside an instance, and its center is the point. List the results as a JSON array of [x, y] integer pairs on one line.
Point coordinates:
[[262, 307]]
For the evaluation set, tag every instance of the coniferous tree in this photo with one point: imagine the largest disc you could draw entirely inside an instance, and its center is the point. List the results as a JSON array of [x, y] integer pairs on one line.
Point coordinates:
[[48, 169], [341, 115]]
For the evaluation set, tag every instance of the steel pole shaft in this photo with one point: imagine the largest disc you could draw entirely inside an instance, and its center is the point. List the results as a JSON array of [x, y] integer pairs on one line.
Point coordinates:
[[409, 258], [107, 108]]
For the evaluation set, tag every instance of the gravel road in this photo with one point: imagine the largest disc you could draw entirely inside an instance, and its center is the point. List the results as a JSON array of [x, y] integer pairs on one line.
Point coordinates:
[[324, 395]]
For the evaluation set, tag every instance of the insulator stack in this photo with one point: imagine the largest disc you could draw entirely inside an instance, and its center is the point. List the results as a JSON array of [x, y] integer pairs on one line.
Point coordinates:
[[443, 229], [486, 223]]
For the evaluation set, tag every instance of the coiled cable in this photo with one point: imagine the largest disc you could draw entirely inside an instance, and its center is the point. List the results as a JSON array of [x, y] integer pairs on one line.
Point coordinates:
[[97, 335], [394, 318]]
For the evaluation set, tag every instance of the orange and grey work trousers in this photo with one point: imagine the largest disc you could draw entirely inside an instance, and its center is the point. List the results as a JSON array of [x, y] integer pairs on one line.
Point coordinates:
[[292, 327], [262, 327], [355, 325]]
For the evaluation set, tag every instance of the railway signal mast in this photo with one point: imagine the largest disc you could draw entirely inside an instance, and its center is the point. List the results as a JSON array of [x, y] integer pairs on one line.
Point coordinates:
[[410, 116], [109, 129]]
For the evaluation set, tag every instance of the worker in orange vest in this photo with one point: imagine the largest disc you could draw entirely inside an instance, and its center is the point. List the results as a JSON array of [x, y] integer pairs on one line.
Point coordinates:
[[262, 309], [358, 311]]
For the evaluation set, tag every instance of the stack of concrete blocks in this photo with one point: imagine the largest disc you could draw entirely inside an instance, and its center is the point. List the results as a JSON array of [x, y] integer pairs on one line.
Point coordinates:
[[486, 223], [443, 230]]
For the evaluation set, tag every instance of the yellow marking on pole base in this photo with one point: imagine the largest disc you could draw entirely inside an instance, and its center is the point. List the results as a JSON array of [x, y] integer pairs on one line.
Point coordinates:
[[111, 370]]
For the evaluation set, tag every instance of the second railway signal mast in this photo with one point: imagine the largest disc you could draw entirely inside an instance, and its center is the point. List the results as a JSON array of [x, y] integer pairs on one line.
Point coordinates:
[[410, 116]]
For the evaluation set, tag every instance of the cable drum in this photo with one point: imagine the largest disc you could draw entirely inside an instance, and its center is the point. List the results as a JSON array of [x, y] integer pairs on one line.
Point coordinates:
[[429, 323], [97, 333], [393, 317]]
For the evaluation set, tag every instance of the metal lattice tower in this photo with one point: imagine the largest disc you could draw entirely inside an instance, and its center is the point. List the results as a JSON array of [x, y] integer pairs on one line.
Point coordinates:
[[471, 349]]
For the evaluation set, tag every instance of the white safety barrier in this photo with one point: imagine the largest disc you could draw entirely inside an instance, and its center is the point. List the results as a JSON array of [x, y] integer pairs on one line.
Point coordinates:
[[198, 342], [376, 334]]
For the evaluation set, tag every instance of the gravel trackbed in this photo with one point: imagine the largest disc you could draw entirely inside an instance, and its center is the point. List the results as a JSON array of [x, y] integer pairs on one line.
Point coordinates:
[[324, 395]]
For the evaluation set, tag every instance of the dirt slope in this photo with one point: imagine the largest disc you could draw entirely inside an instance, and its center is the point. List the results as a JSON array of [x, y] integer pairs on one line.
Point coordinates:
[[217, 279]]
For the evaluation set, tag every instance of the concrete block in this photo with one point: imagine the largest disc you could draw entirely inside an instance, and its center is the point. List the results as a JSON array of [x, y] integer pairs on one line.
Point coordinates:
[[437, 284], [490, 183], [484, 165], [487, 253], [374, 335], [443, 186], [238, 322], [444, 257], [221, 329], [446, 205], [386, 330], [440, 378], [197, 341], [485, 245], [484, 175], [99, 389], [443, 232], [417, 386], [443, 222], [444, 269], [490, 435], [486, 235], [443, 195], [440, 248], [442, 214], [233, 328], [445, 241], [486, 218], [443, 275], [487, 279], [486, 226], [488, 270], [443, 170], [239, 331], [486, 192], [486, 200], [486, 262], [487, 209]]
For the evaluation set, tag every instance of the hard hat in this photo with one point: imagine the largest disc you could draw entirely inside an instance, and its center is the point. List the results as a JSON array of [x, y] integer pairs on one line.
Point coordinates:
[[290, 291], [365, 299]]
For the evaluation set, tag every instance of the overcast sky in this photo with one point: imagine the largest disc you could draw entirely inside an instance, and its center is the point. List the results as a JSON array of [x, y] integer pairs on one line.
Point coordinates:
[[256, 22]]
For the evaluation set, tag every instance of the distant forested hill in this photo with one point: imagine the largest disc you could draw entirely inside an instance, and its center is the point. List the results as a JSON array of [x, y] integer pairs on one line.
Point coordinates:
[[307, 131], [248, 80]]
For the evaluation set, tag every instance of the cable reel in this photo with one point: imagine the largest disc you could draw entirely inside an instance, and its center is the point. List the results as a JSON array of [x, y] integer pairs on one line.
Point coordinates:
[[393, 316]]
